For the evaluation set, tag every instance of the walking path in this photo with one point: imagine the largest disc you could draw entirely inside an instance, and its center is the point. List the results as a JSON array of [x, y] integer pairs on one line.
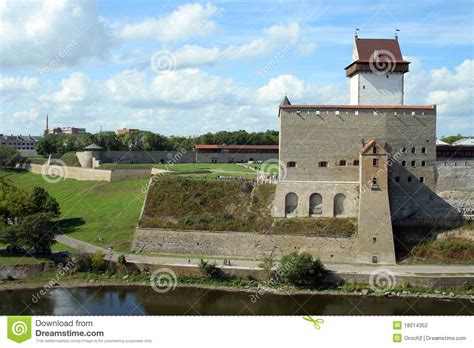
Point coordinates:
[[238, 263]]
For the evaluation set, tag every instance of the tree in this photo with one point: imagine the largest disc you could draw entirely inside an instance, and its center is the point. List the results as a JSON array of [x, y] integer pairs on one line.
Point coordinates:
[[9, 156], [452, 138], [34, 232], [44, 203], [301, 269]]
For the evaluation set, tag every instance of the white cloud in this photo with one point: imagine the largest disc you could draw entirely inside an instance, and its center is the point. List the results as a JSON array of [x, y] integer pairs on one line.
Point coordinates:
[[52, 33], [78, 88], [17, 85], [189, 20]]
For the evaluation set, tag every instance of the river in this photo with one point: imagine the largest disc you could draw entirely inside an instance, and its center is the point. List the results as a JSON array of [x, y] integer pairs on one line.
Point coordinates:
[[140, 300]]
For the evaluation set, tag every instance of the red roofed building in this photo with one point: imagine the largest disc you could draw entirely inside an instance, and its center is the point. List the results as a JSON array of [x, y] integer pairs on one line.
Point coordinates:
[[235, 153], [376, 72]]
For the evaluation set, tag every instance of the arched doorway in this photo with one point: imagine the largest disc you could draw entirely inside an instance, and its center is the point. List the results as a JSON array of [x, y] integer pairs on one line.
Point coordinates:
[[315, 204], [339, 204], [291, 204]]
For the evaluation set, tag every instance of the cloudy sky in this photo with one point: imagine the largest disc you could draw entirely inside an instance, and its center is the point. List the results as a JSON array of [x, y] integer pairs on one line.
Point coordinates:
[[186, 68]]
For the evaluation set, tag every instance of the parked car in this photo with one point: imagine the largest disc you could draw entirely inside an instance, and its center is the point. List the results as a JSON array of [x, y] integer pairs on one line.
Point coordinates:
[[16, 250]]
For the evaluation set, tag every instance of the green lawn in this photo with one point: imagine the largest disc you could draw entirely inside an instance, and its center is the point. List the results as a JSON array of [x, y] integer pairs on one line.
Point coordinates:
[[98, 212], [19, 260], [184, 167]]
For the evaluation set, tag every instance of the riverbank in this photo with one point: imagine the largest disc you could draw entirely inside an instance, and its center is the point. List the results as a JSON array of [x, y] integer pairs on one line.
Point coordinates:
[[253, 287]]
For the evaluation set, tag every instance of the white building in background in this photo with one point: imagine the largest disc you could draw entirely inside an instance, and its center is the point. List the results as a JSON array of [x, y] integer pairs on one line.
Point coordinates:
[[376, 72]]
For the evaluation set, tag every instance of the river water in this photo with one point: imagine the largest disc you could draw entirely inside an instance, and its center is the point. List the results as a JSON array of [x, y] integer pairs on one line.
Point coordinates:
[[139, 300]]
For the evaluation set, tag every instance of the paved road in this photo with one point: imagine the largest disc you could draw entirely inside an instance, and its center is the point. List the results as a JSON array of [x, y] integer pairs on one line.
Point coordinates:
[[356, 268]]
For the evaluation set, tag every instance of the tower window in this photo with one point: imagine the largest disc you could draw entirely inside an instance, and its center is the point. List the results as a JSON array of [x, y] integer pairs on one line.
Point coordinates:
[[423, 163], [356, 162], [423, 150], [413, 150], [397, 179], [363, 87], [413, 163], [404, 149], [374, 150], [291, 164], [422, 179], [375, 162], [322, 164], [342, 162], [386, 76], [404, 163], [374, 239], [409, 179]]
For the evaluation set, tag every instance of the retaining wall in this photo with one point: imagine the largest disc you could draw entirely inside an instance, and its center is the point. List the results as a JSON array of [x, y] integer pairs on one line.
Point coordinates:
[[84, 174], [241, 244]]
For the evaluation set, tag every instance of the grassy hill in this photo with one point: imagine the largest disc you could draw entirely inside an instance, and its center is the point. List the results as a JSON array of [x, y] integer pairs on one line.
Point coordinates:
[[98, 212], [183, 203]]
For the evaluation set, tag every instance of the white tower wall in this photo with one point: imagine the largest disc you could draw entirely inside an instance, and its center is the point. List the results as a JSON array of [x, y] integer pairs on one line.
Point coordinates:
[[374, 89]]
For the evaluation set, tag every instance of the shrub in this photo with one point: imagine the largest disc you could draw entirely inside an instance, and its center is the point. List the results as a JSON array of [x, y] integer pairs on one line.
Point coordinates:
[[301, 269], [97, 261], [209, 270], [121, 260], [83, 261], [267, 264]]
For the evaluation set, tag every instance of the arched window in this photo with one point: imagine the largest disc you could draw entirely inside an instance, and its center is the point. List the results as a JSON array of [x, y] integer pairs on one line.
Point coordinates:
[[291, 204], [339, 204], [315, 204]]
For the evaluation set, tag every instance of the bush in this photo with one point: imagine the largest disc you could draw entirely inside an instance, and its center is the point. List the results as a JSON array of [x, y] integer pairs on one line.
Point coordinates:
[[301, 270], [121, 260], [209, 270], [97, 261], [83, 261]]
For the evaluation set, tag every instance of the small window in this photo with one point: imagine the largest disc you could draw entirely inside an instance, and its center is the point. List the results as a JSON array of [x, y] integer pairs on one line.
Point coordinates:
[[337, 113], [375, 162], [342, 162], [375, 259], [374, 239], [413, 163], [322, 164], [374, 181], [409, 179], [413, 150], [397, 179], [423, 150], [404, 163], [404, 149], [291, 164], [422, 179], [374, 150], [363, 87], [356, 162], [423, 163], [386, 76]]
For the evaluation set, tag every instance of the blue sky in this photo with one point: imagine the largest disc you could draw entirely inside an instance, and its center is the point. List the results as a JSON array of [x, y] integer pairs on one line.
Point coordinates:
[[186, 68]]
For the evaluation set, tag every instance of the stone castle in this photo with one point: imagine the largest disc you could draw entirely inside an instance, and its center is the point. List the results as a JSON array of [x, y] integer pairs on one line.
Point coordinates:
[[374, 160]]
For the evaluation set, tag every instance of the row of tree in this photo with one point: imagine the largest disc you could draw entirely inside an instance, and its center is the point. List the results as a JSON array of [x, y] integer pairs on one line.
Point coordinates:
[[27, 217], [149, 141]]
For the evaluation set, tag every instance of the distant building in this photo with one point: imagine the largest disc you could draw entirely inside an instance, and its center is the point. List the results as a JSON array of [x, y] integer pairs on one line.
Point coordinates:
[[66, 130], [465, 142], [19, 142], [235, 153], [121, 131]]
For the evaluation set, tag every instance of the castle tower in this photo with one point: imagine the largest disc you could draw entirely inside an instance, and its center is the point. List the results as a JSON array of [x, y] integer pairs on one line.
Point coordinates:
[[376, 72]]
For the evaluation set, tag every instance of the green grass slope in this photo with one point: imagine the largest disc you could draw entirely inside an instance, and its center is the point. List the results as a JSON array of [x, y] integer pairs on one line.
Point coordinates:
[[184, 203], [98, 212]]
